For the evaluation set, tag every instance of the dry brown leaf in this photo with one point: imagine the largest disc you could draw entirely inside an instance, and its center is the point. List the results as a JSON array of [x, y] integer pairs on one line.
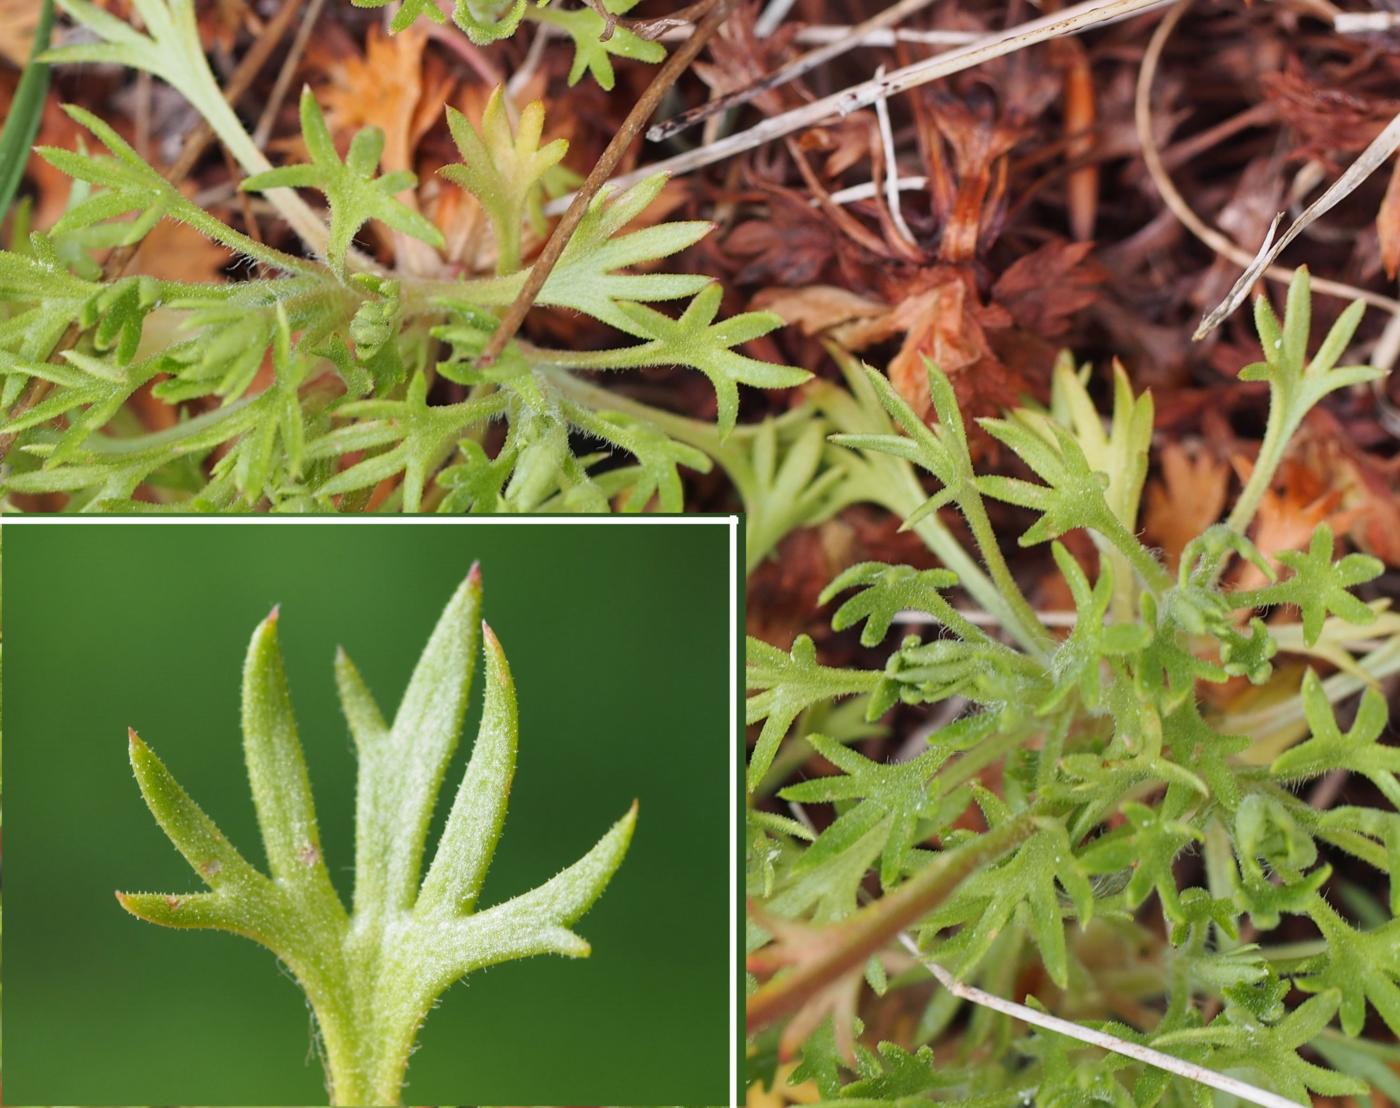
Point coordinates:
[[1367, 483], [793, 243], [18, 19], [1186, 499], [1388, 223], [379, 89], [942, 319], [978, 145], [818, 308], [1080, 118], [1323, 120], [1043, 289]]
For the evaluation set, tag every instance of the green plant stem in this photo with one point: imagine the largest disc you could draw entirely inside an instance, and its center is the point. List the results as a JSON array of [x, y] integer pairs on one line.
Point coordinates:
[[1153, 575], [1277, 431], [202, 91], [1000, 595], [977, 759], [856, 939], [1031, 631]]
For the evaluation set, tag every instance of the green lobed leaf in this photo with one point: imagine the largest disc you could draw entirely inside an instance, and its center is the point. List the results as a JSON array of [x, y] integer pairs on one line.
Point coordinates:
[[354, 194], [504, 168], [479, 810]]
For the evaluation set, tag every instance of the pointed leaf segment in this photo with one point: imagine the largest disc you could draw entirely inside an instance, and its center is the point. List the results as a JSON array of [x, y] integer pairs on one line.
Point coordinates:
[[372, 975]]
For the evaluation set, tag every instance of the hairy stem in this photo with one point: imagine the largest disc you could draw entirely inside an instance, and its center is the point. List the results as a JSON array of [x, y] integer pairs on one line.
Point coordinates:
[[1024, 623], [879, 923]]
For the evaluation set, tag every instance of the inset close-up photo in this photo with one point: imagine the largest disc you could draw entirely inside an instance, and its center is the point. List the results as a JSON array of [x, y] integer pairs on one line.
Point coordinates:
[[535, 907]]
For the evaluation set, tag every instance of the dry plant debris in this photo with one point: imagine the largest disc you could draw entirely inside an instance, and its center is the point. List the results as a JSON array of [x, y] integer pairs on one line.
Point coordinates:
[[978, 185]]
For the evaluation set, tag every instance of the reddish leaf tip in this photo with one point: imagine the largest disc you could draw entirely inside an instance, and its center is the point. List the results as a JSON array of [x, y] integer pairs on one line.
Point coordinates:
[[132, 737], [490, 636], [273, 615], [474, 575]]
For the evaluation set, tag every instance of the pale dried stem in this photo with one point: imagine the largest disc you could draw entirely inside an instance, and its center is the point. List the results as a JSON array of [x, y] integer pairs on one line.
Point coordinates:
[[856, 36], [263, 131], [819, 34], [882, 114], [1071, 21], [772, 17], [1219, 242], [1189, 1070]]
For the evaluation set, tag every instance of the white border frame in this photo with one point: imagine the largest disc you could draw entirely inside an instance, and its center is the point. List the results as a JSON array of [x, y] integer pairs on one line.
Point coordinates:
[[730, 522]]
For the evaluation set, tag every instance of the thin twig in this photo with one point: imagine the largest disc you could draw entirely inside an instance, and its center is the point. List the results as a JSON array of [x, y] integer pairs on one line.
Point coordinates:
[[1073, 20], [248, 68], [819, 34], [1171, 1064], [790, 72], [1367, 162], [666, 76], [1365, 23], [868, 191], [771, 18], [653, 29], [1219, 242], [263, 131], [988, 619], [882, 114]]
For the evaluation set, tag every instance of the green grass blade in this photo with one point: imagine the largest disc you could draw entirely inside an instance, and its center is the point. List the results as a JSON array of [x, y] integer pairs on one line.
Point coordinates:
[[22, 124]]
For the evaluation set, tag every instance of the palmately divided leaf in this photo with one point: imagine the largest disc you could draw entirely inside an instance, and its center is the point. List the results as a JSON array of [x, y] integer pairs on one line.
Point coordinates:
[[695, 340], [1357, 750], [1029, 878], [586, 279], [1318, 586], [892, 797], [888, 590], [1078, 662], [355, 195], [425, 436], [372, 976], [788, 683], [1269, 1053], [903, 1074], [1147, 844], [504, 168], [658, 455], [1297, 384], [1362, 966], [592, 47], [1073, 495]]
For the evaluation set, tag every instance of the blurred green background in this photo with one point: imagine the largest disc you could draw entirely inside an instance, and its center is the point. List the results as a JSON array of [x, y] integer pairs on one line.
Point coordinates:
[[618, 638]]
